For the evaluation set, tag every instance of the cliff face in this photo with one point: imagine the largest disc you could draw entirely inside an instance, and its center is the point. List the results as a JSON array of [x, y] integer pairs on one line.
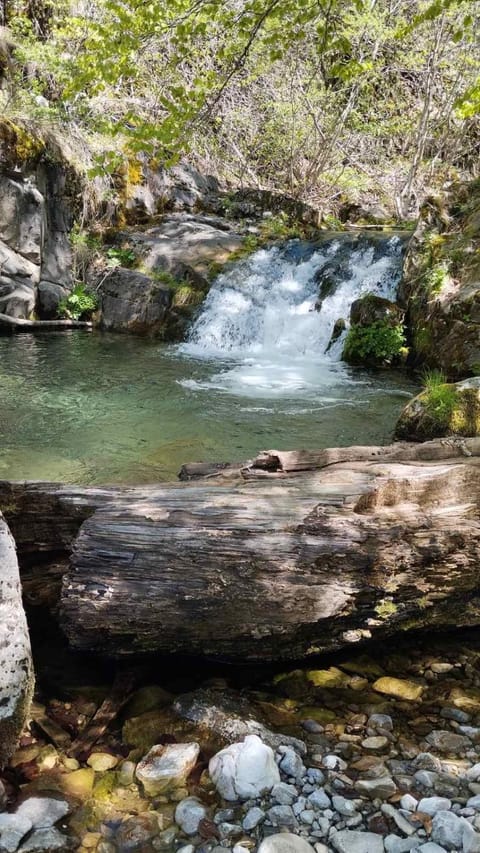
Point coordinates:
[[36, 215], [441, 285]]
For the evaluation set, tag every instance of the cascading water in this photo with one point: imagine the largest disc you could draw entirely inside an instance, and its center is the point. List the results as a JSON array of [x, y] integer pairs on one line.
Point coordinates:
[[263, 324]]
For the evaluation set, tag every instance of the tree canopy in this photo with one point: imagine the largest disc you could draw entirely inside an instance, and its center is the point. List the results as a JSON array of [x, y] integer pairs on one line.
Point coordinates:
[[311, 96]]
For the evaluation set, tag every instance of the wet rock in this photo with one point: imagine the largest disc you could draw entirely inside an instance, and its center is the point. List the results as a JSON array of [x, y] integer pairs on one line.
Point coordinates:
[[12, 829], [45, 841], [134, 832], [348, 841], [398, 688], [370, 308], [166, 767], [286, 842], [230, 717], [459, 414], [189, 813], [375, 744], [79, 784], [380, 721], [43, 812], [244, 770], [102, 761]]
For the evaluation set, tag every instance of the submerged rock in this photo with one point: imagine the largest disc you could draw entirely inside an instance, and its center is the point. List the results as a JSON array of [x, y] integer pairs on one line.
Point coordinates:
[[189, 813], [399, 688], [165, 768]]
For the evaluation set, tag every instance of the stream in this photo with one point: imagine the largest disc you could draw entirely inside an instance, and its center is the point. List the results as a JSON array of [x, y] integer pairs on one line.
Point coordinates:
[[254, 374]]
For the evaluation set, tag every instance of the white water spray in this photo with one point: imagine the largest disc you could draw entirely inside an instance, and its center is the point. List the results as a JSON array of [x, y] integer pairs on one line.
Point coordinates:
[[260, 318]]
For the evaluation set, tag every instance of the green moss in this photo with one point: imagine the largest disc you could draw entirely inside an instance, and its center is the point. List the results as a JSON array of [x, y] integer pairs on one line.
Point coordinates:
[[18, 143], [385, 608]]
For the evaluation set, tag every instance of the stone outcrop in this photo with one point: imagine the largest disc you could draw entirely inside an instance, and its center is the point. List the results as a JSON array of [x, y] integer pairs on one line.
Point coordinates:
[[133, 302], [16, 673], [441, 284], [35, 252], [174, 263], [445, 409]]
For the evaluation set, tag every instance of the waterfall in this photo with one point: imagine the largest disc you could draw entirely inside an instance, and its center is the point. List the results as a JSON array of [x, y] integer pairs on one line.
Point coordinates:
[[262, 321]]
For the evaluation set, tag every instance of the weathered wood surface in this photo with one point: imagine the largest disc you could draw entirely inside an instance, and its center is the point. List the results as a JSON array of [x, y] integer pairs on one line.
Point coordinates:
[[16, 324], [287, 462], [273, 567]]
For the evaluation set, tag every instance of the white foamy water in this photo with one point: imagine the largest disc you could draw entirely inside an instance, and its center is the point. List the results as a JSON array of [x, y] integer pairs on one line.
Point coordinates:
[[260, 322]]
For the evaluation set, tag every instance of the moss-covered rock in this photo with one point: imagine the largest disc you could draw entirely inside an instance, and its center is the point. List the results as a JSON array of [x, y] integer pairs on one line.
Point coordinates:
[[440, 410], [441, 284]]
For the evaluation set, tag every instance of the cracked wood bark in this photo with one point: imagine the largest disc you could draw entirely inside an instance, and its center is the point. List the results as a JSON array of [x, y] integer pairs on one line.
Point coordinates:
[[275, 569], [380, 540], [16, 671]]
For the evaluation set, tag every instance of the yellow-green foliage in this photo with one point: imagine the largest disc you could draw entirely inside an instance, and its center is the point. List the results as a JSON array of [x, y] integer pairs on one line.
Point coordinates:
[[385, 608], [187, 296], [19, 144]]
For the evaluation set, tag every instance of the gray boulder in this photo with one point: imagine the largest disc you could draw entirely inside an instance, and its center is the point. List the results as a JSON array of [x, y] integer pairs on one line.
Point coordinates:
[[49, 297], [133, 302], [16, 671], [22, 218]]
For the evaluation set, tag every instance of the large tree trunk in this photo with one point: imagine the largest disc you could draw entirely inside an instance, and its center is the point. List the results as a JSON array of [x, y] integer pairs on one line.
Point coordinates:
[[319, 551], [16, 672]]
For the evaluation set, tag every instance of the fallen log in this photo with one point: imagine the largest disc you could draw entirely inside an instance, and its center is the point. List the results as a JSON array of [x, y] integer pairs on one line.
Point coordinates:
[[276, 567], [11, 325]]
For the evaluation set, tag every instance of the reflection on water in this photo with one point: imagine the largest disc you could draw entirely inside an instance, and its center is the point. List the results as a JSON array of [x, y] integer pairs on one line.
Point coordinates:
[[92, 408]]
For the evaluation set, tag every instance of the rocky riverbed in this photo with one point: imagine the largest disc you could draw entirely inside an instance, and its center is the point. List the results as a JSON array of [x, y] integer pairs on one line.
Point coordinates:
[[377, 752]]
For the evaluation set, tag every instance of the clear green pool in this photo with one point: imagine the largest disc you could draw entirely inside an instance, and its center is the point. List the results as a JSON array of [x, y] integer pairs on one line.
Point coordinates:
[[94, 408]]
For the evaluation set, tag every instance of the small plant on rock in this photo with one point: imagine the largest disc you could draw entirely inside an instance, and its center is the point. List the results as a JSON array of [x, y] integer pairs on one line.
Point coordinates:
[[79, 304], [378, 343], [117, 257], [440, 398]]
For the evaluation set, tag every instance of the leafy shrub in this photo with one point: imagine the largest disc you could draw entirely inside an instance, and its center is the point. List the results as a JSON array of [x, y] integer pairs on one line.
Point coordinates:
[[436, 277], [117, 257], [80, 303], [379, 343]]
